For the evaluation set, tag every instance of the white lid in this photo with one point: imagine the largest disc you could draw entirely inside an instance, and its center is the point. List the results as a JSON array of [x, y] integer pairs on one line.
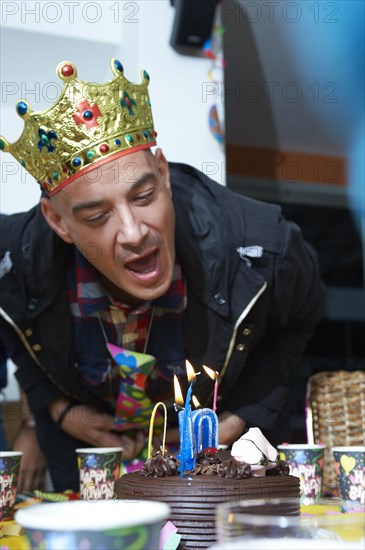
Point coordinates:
[[99, 450], [82, 515], [301, 446]]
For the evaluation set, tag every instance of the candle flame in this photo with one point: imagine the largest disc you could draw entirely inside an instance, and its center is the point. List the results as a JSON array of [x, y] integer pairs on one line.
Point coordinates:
[[190, 371], [195, 400], [210, 372], [178, 393]]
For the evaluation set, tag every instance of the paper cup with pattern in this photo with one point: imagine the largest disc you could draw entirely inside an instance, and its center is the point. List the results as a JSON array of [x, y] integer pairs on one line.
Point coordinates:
[[99, 469], [83, 525], [350, 469], [9, 470], [306, 462]]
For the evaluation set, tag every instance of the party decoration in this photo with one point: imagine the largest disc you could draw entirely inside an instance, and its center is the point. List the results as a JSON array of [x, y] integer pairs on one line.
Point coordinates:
[[134, 407], [350, 467], [306, 462], [9, 470], [348, 463], [99, 469]]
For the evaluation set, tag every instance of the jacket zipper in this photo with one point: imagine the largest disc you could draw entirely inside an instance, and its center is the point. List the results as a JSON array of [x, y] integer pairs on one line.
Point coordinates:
[[244, 313]]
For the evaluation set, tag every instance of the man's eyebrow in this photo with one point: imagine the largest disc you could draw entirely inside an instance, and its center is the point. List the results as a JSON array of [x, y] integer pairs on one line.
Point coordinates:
[[96, 203], [85, 206]]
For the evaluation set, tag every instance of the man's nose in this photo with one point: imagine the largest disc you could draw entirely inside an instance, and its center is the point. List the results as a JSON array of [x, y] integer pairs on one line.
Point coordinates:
[[131, 229]]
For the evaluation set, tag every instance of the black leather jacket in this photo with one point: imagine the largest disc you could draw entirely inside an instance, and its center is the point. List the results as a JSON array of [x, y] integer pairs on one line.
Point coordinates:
[[249, 316]]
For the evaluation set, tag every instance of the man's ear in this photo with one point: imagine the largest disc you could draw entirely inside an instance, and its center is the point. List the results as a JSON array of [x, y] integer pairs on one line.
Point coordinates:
[[163, 167], [55, 220]]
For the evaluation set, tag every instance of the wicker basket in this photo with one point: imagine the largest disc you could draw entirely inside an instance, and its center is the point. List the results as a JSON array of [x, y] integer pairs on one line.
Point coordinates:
[[335, 415]]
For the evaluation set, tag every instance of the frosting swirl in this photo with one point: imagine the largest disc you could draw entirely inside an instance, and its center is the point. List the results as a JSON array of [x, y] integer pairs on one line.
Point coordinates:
[[160, 466], [234, 469], [281, 469]]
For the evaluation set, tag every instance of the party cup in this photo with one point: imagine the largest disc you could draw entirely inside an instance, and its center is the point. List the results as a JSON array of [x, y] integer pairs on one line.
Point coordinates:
[[350, 469], [99, 469], [82, 525], [266, 518], [9, 470], [306, 462], [287, 544]]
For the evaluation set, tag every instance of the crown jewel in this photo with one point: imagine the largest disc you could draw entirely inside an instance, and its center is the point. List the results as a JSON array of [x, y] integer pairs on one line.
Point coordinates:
[[88, 124]]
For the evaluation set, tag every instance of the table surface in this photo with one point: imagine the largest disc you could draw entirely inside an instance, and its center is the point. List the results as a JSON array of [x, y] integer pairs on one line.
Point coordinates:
[[346, 526]]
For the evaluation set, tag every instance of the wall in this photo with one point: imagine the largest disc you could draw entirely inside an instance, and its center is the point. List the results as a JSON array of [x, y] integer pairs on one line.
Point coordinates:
[[36, 36], [295, 87]]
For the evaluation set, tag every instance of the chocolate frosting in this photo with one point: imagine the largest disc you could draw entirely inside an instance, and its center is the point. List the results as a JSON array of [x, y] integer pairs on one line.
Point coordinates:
[[234, 469], [281, 469], [204, 470], [160, 466]]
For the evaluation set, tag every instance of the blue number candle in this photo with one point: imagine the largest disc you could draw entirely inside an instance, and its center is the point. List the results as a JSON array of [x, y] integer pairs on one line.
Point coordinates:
[[205, 429], [186, 454]]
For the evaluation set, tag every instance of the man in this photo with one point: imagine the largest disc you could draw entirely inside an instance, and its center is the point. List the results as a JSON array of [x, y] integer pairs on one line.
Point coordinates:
[[130, 266]]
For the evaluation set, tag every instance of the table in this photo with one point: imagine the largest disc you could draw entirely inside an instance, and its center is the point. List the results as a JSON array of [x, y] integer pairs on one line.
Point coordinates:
[[345, 526]]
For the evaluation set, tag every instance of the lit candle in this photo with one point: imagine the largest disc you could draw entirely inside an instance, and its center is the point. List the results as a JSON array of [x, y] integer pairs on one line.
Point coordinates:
[[205, 428], [214, 375], [150, 434], [186, 453]]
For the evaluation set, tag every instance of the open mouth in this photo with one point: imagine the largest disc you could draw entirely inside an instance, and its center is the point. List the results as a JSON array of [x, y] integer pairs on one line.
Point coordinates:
[[144, 266]]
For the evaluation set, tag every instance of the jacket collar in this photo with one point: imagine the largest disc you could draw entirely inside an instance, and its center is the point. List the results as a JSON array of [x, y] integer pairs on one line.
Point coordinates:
[[207, 240]]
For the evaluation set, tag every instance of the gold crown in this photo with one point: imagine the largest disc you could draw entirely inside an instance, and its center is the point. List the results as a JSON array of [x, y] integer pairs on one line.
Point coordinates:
[[88, 124]]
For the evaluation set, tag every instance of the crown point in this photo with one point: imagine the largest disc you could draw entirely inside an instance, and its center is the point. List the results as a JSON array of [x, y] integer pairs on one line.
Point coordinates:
[[146, 76], [66, 70], [4, 145], [23, 108], [117, 67]]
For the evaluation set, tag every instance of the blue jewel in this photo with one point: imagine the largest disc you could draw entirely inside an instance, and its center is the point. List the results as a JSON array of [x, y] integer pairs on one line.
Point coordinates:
[[145, 135], [87, 114], [22, 108], [118, 65], [117, 142], [146, 75], [76, 161], [45, 139]]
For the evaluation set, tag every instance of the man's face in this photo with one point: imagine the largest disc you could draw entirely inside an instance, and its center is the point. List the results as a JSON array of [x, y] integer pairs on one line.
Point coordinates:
[[121, 218]]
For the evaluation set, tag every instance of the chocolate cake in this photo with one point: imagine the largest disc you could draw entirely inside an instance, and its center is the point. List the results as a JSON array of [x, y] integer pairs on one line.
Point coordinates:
[[194, 497]]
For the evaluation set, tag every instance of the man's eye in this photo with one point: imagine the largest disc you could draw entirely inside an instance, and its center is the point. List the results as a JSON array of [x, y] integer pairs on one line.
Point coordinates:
[[145, 197], [96, 219]]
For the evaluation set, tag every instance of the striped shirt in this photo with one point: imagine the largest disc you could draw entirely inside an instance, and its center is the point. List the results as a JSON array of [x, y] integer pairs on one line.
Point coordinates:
[[154, 327]]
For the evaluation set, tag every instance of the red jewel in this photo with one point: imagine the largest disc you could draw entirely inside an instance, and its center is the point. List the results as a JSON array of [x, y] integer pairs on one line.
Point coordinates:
[[104, 148], [138, 137], [128, 102], [212, 450], [67, 70], [64, 169], [154, 133]]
